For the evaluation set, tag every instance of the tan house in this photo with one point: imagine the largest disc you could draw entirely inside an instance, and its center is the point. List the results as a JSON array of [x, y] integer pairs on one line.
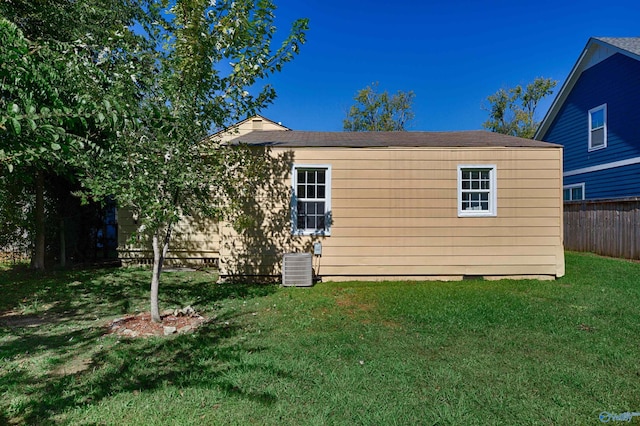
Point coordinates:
[[397, 205]]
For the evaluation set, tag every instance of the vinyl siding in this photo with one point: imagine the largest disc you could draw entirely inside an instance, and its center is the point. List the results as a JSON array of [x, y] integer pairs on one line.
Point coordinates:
[[615, 82], [612, 183], [394, 213]]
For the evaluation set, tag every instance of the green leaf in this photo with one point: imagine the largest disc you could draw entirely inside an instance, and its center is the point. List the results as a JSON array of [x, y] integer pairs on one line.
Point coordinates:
[[16, 125], [32, 124], [13, 108], [55, 146], [100, 117], [10, 167]]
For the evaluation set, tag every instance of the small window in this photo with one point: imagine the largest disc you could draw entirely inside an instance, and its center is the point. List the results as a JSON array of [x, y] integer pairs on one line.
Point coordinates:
[[598, 127], [477, 193], [573, 192], [311, 204]]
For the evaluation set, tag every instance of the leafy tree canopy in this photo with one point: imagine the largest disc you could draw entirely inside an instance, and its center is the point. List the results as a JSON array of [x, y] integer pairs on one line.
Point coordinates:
[[209, 64], [129, 111], [65, 88], [512, 111], [63, 77], [379, 112]]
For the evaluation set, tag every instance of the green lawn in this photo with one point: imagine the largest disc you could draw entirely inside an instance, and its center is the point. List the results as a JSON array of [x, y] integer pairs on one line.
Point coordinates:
[[394, 353]]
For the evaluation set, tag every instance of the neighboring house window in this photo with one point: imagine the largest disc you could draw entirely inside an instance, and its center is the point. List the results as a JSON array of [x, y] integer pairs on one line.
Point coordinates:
[[598, 127], [477, 192], [311, 204], [573, 192]]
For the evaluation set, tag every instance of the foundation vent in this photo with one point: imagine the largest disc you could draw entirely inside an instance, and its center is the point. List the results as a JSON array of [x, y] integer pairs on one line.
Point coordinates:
[[297, 270]]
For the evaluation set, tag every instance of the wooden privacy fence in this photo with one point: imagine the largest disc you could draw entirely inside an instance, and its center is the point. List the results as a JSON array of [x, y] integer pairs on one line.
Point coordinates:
[[606, 227]]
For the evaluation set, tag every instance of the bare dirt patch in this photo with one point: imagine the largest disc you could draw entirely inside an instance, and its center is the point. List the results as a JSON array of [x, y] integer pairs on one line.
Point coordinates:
[[74, 366], [140, 325], [353, 307], [18, 319], [348, 302]]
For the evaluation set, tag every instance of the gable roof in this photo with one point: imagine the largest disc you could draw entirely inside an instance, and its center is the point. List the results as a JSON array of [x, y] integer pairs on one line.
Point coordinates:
[[626, 44], [263, 118], [299, 139], [597, 50], [243, 127]]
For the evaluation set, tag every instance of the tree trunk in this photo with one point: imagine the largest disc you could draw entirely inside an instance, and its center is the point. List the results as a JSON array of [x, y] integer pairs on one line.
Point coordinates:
[[63, 244], [37, 261], [155, 279], [159, 253]]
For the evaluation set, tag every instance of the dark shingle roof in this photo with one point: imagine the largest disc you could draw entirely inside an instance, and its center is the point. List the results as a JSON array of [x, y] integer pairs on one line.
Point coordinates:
[[473, 138], [630, 44]]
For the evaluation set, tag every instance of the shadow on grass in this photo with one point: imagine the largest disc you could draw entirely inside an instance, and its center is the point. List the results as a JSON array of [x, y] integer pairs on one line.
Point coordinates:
[[206, 358], [70, 295], [59, 344], [33, 290]]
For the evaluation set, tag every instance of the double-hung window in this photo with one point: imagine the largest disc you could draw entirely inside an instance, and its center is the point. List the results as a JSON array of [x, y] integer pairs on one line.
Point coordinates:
[[311, 204], [598, 127], [477, 192]]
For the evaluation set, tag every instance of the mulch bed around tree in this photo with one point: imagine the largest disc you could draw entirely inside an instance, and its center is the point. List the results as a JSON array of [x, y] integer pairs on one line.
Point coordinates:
[[140, 325]]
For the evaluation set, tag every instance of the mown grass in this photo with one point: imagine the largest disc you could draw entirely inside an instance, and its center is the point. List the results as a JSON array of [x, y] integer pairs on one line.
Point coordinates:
[[470, 352]]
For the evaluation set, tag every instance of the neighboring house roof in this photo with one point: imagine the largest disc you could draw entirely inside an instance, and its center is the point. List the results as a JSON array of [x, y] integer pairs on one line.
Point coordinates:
[[473, 138], [628, 44], [597, 50]]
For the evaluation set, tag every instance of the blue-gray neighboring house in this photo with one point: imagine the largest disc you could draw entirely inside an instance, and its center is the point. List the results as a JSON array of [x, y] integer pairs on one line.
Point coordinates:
[[596, 117]]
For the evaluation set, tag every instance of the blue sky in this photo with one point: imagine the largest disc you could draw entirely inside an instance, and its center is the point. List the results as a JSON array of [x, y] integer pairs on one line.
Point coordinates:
[[452, 54]]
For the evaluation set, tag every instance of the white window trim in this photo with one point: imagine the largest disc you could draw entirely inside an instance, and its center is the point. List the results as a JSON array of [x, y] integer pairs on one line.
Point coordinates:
[[605, 166], [327, 203], [572, 186], [591, 111], [493, 191]]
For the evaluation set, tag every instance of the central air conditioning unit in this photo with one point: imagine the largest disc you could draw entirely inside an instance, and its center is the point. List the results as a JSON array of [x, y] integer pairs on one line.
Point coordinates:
[[297, 270]]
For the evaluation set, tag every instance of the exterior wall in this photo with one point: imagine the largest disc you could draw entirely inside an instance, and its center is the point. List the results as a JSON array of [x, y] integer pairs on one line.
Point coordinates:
[[617, 182], [616, 82], [194, 242], [394, 213]]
